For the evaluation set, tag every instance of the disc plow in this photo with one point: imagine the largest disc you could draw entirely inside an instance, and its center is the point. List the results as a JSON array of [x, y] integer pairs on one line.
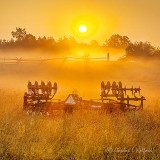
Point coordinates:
[[114, 96], [126, 97]]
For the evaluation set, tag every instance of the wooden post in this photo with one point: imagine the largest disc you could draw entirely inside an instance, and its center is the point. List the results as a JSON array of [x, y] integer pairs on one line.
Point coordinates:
[[127, 101], [142, 99]]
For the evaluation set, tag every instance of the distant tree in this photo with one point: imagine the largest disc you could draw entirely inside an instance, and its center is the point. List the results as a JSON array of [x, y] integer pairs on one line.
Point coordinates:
[[46, 43], [19, 34], [11, 43], [140, 50], [72, 41], [29, 37], [0, 43], [4, 43], [117, 41], [63, 43], [29, 41], [94, 43], [51, 41], [156, 53]]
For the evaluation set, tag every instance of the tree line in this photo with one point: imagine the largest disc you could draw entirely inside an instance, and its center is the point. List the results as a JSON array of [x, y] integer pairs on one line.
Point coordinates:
[[23, 40]]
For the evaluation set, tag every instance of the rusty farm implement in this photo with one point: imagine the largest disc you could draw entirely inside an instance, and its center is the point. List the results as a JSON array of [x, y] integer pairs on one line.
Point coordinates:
[[114, 97], [117, 94], [39, 96]]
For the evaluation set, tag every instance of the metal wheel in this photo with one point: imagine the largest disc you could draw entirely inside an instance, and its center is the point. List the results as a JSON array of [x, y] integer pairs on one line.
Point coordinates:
[[102, 86], [114, 88], [43, 87], [55, 87], [108, 87], [49, 87], [36, 87], [29, 88]]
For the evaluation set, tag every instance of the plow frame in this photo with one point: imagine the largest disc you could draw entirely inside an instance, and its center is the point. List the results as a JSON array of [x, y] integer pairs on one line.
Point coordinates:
[[118, 94], [34, 100]]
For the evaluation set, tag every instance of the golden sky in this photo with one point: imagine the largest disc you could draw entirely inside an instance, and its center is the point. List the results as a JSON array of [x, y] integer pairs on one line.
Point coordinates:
[[137, 19]]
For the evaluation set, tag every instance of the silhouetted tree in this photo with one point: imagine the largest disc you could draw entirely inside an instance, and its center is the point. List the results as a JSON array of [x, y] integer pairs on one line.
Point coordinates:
[[156, 53], [46, 43], [19, 34], [66, 43], [140, 50], [4, 44], [29, 37], [94, 43], [22, 40], [117, 41], [0, 43], [72, 42], [10, 44], [29, 41]]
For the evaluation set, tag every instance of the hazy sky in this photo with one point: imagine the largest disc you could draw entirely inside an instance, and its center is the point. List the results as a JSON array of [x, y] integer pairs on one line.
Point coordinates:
[[137, 19]]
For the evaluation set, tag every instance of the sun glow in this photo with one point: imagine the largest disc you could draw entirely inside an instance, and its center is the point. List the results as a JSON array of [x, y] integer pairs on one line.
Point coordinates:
[[82, 28]]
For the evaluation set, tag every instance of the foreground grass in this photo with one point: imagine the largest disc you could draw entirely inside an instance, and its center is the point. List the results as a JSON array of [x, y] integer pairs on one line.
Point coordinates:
[[83, 135]]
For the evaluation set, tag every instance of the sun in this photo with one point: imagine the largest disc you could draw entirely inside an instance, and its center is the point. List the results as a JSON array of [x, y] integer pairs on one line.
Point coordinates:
[[82, 28]]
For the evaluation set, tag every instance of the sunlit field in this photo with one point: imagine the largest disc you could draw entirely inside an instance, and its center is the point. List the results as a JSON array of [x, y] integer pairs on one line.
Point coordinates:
[[84, 134]]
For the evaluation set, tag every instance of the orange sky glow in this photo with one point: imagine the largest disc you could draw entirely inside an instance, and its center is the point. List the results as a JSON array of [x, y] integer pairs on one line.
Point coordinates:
[[57, 18]]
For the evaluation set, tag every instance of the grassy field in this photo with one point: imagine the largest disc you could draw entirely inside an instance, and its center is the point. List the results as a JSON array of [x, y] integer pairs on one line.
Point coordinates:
[[83, 135]]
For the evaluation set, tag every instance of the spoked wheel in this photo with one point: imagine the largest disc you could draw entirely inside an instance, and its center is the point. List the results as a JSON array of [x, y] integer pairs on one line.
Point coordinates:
[[55, 87], [114, 88]]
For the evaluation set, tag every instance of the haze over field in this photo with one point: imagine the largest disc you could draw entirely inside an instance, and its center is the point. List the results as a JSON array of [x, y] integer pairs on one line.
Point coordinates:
[[83, 77], [136, 19]]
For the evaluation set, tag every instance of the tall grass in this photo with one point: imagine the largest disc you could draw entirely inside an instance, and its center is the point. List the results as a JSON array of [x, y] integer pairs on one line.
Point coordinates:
[[82, 135]]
